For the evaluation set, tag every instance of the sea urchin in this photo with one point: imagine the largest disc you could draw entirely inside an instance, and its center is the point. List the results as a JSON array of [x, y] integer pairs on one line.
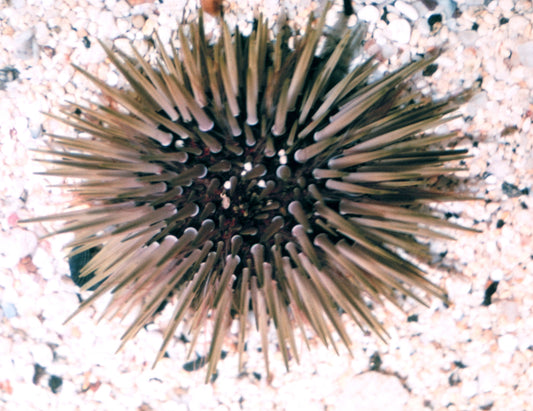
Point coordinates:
[[255, 175]]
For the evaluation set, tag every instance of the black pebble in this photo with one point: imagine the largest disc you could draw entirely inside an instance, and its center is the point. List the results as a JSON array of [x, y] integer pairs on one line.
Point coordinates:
[[434, 19], [429, 70], [487, 406], [504, 20], [459, 364], [510, 190], [454, 379], [55, 383], [489, 292], [375, 362], [86, 42], [195, 364], [412, 318], [475, 26], [384, 15], [500, 223], [38, 372], [8, 74]]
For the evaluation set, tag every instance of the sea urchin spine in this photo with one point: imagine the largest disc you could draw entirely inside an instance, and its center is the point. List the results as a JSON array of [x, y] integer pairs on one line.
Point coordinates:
[[249, 175]]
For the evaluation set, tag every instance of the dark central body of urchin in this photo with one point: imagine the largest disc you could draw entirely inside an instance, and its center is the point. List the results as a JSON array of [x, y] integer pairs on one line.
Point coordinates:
[[247, 191], [251, 176]]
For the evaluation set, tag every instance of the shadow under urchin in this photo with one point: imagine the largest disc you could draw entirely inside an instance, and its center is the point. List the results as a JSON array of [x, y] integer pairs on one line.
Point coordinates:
[[253, 176]]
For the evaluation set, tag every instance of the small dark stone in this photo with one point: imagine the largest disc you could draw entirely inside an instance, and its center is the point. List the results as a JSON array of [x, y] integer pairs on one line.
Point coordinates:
[[475, 26], [49, 51], [384, 15], [500, 223], [454, 379], [86, 42], [487, 406], [430, 69], [24, 196], [523, 205], [195, 364], [504, 20], [511, 190], [38, 372], [257, 376], [412, 318], [375, 362], [433, 20], [489, 291], [55, 383], [8, 74], [459, 364]]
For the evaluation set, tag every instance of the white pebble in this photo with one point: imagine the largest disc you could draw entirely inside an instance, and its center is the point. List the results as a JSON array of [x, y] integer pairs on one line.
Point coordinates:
[[15, 245], [121, 9], [399, 30], [42, 355], [107, 29], [21, 125], [164, 33], [469, 388], [148, 27], [138, 21], [65, 76], [506, 5], [407, 10], [369, 14], [123, 25], [518, 25], [508, 343], [496, 275], [112, 78], [367, 388], [525, 53]]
